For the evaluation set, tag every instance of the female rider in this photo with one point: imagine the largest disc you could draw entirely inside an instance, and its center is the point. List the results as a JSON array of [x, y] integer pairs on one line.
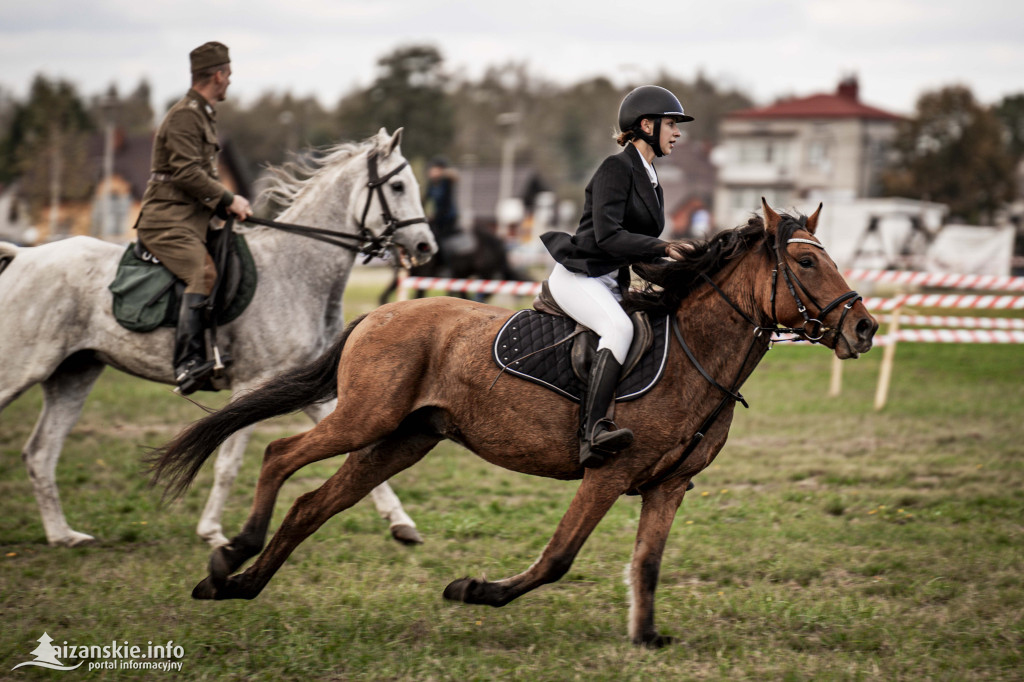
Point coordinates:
[[623, 214]]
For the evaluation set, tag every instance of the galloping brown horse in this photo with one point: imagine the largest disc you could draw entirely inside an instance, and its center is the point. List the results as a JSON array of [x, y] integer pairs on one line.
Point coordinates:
[[411, 374]]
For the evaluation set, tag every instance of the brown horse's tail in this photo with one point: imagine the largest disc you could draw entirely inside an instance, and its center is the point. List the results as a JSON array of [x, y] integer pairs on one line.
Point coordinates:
[[177, 463]]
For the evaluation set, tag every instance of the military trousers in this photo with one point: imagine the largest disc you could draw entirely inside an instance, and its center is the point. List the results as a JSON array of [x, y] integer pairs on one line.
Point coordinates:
[[184, 253]]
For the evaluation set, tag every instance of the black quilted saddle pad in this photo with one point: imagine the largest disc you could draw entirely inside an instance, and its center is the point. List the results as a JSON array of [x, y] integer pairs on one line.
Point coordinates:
[[526, 347]]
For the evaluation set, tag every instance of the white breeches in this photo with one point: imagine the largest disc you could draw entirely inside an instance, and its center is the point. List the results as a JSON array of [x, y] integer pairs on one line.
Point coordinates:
[[594, 303]]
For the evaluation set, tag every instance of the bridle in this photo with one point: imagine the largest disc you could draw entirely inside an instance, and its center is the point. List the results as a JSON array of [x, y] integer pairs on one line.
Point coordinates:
[[365, 241], [813, 330]]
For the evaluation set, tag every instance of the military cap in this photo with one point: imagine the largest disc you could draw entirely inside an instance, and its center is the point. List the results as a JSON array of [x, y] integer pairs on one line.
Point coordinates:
[[208, 55]]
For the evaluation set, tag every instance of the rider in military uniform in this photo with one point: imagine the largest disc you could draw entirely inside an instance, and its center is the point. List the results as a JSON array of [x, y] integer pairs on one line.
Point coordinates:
[[183, 194]]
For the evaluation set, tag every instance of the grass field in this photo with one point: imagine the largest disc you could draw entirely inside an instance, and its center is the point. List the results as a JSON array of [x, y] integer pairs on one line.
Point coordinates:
[[827, 542]]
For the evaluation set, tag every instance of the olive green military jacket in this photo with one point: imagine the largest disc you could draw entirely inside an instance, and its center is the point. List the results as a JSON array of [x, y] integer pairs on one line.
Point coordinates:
[[183, 189]]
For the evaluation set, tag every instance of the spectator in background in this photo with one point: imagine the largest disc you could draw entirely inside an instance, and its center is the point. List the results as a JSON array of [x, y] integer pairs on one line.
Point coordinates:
[[441, 207]]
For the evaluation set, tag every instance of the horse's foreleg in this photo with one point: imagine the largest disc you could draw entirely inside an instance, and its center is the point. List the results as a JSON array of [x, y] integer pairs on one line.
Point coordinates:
[[592, 501], [64, 394], [659, 510], [361, 472], [229, 460], [384, 498]]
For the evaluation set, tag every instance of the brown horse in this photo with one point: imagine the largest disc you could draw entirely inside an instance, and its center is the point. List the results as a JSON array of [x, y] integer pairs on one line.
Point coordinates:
[[410, 374]]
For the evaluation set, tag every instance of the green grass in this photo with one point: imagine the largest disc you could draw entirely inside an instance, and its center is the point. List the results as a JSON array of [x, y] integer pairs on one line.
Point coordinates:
[[827, 542]]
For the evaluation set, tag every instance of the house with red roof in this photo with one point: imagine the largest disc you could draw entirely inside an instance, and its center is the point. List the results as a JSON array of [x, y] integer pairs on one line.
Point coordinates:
[[799, 151]]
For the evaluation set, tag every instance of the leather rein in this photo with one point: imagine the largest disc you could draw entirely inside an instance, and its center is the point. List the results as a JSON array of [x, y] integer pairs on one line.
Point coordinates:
[[365, 242], [813, 330]]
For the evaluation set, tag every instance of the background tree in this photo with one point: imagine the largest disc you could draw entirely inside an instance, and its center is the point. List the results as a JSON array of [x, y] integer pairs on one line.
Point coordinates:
[[132, 115], [48, 143], [953, 151], [410, 91], [1010, 112], [275, 126], [8, 110]]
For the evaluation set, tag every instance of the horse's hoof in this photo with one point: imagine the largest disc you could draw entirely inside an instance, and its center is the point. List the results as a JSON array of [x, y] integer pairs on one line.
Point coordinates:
[[222, 565], [73, 539], [458, 590], [406, 534], [204, 590], [655, 641]]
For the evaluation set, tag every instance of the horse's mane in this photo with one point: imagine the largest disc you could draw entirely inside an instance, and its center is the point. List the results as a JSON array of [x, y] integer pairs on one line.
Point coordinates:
[[667, 283], [282, 184]]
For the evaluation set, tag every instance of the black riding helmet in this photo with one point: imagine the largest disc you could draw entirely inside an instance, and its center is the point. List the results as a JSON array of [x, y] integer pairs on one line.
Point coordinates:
[[651, 102]]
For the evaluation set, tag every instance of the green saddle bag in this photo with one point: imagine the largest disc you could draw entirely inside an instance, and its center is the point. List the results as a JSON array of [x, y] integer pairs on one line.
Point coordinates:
[[146, 296]]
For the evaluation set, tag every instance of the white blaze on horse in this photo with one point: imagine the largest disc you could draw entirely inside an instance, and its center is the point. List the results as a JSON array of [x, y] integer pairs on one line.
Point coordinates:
[[59, 330]]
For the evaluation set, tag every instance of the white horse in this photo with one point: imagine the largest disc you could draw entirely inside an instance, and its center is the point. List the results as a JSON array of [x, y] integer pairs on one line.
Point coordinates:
[[58, 329]]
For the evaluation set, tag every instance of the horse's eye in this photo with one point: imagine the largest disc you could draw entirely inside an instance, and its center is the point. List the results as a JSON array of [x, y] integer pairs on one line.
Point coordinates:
[[806, 262], [397, 186]]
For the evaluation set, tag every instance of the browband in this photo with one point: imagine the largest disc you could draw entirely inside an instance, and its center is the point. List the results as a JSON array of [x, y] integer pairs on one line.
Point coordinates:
[[806, 241]]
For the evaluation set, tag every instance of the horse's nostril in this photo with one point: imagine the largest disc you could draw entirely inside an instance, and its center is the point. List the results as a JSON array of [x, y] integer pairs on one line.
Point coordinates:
[[423, 247], [866, 328]]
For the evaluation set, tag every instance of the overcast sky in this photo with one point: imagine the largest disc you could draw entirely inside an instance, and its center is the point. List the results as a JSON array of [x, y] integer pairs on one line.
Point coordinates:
[[897, 48]]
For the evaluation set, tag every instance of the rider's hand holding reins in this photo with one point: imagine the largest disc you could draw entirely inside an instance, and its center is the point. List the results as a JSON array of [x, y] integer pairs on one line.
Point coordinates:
[[240, 207], [679, 250]]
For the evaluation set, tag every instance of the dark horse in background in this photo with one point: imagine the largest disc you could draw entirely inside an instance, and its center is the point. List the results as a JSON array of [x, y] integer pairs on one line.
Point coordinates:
[[413, 373], [476, 254]]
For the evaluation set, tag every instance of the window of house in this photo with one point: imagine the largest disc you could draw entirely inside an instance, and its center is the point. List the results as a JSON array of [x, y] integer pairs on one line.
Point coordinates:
[[763, 151], [749, 198], [817, 153]]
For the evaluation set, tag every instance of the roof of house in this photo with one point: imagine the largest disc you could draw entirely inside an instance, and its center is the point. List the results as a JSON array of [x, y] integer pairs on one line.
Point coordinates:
[[844, 103]]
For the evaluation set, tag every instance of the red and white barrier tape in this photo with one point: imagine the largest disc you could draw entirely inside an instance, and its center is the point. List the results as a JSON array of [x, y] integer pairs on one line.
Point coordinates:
[[937, 279], [957, 322], [960, 301], [472, 286], [958, 336], [989, 330]]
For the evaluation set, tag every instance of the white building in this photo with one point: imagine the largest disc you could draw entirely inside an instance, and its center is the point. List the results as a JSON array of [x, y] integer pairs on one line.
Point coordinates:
[[796, 152]]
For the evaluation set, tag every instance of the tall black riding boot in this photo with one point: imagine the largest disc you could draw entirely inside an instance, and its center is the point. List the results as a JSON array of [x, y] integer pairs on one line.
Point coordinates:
[[601, 438], [191, 369]]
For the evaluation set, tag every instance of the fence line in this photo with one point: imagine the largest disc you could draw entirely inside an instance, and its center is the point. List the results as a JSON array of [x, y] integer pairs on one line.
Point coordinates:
[[937, 279], [955, 321]]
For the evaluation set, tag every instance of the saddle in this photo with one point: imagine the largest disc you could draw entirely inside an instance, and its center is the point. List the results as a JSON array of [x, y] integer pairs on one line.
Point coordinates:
[[147, 295], [547, 347]]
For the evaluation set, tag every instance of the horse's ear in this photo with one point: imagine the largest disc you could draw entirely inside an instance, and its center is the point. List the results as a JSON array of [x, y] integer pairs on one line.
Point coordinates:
[[771, 218], [396, 140], [812, 221]]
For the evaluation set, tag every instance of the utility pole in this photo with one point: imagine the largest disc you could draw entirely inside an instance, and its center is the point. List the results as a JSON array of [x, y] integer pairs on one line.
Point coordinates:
[[56, 168]]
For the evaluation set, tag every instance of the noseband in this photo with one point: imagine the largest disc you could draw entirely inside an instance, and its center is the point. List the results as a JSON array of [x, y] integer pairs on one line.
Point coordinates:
[[376, 245], [813, 328]]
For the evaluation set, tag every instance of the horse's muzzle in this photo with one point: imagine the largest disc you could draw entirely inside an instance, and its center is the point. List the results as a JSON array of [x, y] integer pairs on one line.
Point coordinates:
[[856, 337]]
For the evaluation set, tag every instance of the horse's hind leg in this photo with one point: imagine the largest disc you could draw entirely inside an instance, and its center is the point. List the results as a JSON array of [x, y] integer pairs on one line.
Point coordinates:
[[64, 394], [362, 471], [588, 507], [402, 527]]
